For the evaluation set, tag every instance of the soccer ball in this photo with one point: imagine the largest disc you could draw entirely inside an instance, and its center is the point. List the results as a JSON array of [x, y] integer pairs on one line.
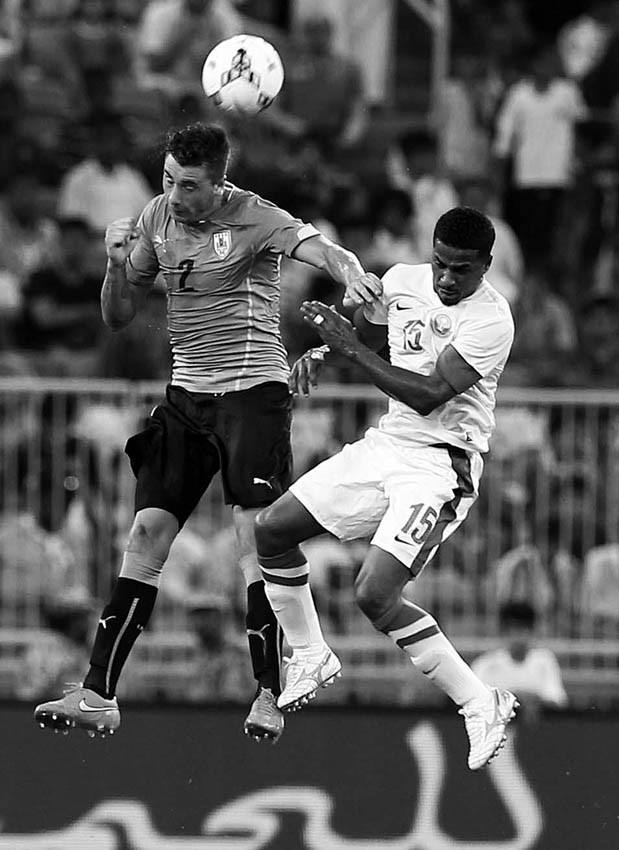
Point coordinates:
[[242, 74]]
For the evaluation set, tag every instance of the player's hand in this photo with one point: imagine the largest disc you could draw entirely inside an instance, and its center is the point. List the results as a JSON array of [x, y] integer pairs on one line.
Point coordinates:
[[306, 371], [365, 289], [334, 329], [121, 237]]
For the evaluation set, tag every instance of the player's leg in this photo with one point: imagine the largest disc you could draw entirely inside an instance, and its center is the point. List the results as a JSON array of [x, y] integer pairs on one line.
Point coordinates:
[[446, 480], [312, 665], [254, 427], [166, 493], [340, 496], [93, 706]]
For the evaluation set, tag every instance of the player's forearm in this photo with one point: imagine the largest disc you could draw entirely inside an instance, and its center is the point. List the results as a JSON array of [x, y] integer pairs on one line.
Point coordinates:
[[414, 390], [342, 265], [118, 298]]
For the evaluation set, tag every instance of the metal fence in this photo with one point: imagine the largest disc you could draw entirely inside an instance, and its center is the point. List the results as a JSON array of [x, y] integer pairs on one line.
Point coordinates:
[[544, 529]]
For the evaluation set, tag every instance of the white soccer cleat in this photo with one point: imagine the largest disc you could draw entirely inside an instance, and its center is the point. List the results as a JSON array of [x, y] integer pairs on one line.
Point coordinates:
[[307, 670], [82, 708], [486, 719]]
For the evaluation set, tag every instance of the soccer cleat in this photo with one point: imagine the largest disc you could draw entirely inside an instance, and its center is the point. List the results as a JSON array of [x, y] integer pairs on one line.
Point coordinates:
[[306, 671], [265, 721], [486, 719], [82, 708]]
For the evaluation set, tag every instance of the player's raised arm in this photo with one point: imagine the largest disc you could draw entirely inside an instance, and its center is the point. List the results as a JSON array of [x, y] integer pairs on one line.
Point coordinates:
[[344, 267], [119, 298]]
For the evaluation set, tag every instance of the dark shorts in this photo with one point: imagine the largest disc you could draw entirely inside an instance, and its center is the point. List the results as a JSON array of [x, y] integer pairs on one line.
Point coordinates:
[[192, 436]]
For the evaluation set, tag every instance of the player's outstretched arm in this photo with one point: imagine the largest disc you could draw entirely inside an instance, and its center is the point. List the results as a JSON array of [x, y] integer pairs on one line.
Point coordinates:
[[423, 393], [119, 298], [343, 266]]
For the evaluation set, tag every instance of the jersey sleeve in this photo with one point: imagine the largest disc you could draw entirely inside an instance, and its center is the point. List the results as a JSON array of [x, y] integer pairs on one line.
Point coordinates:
[[143, 265], [278, 230], [485, 341]]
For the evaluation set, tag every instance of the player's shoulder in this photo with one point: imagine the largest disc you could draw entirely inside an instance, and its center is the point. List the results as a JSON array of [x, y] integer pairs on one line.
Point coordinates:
[[489, 303], [407, 277], [247, 205]]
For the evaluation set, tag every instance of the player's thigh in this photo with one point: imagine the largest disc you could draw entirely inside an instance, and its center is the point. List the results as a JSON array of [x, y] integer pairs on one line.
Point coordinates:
[[254, 430], [429, 497], [345, 493], [173, 464]]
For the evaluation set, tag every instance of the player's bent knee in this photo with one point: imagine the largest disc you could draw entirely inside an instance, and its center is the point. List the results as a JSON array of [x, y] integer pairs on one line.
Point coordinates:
[[268, 532], [152, 533], [373, 600]]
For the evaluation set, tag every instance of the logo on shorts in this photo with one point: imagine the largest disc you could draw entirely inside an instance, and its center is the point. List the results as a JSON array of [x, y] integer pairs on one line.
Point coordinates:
[[222, 242], [440, 324]]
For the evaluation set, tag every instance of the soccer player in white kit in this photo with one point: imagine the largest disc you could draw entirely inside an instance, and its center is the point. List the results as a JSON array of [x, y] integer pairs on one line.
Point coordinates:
[[410, 481]]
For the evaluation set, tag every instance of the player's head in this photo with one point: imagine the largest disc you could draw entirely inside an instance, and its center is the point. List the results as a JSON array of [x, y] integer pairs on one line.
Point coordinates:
[[461, 246], [194, 171]]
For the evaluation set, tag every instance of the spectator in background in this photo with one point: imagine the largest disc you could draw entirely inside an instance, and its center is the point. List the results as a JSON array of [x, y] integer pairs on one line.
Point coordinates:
[[105, 185], [536, 139], [507, 260], [597, 365], [323, 90], [61, 314], [222, 671], [519, 664], [174, 38], [462, 117], [392, 239], [28, 239], [96, 43], [412, 165], [49, 79], [546, 341], [582, 41], [58, 655]]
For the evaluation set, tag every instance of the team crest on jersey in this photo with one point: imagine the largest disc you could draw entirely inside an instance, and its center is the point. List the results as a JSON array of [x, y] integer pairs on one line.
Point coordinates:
[[222, 242], [440, 324]]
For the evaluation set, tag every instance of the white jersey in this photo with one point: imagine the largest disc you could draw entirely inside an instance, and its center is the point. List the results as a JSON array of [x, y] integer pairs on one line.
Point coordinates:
[[480, 328]]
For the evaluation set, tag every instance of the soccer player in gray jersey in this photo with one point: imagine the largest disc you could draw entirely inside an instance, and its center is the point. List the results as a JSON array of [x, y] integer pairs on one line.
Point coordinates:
[[227, 406]]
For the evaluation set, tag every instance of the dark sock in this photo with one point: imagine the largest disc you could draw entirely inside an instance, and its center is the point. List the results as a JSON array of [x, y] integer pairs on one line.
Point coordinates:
[[265, 638], [123, 618]]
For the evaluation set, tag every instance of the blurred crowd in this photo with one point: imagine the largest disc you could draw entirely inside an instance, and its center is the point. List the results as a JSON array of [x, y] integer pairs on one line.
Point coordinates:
[[525, 126]]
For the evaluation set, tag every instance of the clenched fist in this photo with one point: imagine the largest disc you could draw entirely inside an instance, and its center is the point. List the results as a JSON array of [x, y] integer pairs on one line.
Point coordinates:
[[121, 237]]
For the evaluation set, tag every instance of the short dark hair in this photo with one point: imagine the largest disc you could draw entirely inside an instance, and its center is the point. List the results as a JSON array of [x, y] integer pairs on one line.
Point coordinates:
[[465, 228], [201, 144]]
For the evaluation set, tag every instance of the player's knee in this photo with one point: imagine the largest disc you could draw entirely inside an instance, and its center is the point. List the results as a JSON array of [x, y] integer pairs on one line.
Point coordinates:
[[152, 533], [268, 532], [372, 598]]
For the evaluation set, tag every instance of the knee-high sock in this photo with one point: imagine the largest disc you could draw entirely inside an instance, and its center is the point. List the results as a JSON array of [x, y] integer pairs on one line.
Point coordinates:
[[286, 581], [122, 621], [418, 634], [264, 635]]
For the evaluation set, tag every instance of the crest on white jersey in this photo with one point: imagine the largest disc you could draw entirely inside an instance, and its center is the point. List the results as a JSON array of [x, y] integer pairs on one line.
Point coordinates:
[[222, 242], [441, 324]]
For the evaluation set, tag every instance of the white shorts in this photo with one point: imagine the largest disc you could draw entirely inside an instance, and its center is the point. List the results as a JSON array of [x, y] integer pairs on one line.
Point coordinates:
[[407, 498]]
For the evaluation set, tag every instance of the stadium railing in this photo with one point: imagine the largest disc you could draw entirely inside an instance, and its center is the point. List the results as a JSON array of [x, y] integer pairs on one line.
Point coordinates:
[[544, 529]]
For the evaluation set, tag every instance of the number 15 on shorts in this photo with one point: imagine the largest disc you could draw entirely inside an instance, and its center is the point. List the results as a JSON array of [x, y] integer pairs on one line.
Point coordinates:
[[419, 524]]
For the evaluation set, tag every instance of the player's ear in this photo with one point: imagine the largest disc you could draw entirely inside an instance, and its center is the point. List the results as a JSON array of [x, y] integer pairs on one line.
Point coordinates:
[[488, 263]]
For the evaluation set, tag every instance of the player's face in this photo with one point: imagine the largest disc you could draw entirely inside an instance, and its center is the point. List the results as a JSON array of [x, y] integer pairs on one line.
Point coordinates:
[[191, 192], [456, 272]]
